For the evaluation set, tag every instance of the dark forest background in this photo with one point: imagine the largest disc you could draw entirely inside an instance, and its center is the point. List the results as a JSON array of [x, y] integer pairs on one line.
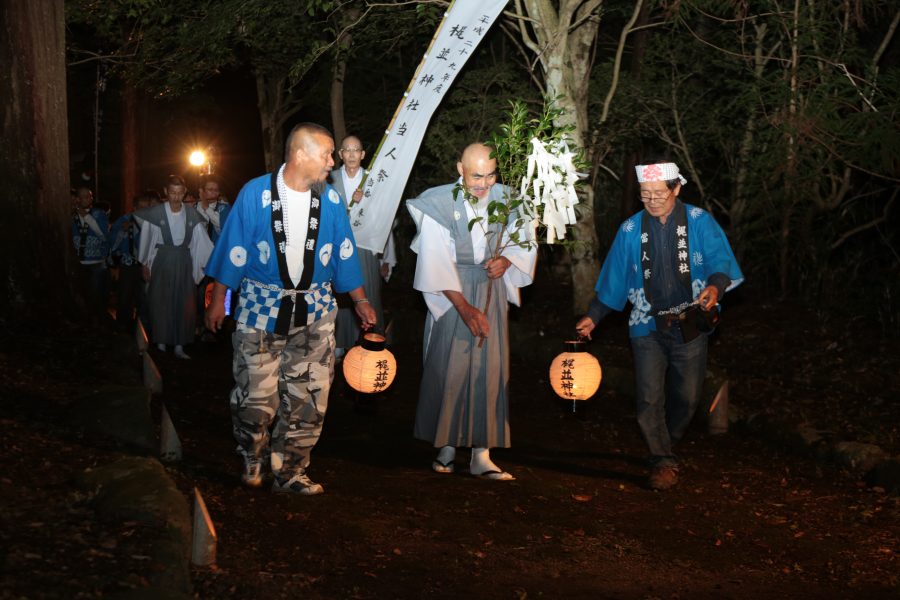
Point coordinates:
[[782, 114]]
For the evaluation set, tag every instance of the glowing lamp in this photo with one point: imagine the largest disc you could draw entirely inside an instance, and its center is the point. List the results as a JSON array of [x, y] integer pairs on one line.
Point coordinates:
[[197, 158], [575, 374], [369, 367]]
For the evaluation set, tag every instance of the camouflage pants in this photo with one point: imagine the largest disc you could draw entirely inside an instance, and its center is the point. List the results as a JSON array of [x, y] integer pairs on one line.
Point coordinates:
[[283, 376]]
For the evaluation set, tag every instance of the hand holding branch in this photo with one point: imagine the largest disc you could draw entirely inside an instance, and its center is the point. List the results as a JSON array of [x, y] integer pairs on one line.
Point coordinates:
[[474, 319], [496, 267]]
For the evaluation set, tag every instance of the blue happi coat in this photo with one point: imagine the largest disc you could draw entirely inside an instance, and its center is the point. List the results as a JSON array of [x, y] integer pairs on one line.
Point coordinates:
[[120, 247], [245, 257], [96, 247], [621, 278]]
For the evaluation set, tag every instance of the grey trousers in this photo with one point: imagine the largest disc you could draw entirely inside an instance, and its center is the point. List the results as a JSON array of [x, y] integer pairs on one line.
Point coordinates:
[[283, 376]]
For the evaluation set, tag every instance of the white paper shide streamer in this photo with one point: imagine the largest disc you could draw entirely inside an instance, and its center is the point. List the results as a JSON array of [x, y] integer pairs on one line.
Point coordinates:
[[548, 188]]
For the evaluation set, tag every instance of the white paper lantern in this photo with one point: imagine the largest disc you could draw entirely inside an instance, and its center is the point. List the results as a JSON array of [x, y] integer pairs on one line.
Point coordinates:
[[575, 374], [369, 367]]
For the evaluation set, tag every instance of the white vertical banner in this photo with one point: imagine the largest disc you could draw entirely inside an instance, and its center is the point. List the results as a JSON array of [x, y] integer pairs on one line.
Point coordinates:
[[459, 33]]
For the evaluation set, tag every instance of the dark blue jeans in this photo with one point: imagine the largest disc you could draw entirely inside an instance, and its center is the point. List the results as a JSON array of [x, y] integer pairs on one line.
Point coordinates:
[[669, 380]]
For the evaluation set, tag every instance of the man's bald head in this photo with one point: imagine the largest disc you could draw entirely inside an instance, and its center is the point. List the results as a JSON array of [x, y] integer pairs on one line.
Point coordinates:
[[303, 135], [351, 153], [308, 156], [478, 169]]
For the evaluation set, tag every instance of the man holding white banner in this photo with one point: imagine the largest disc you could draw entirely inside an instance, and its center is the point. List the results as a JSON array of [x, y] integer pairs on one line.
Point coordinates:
[[463, 396], [375, 265]]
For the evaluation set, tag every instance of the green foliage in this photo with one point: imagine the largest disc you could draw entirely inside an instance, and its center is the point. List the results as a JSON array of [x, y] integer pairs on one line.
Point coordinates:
[[512, 145], [171, 47]]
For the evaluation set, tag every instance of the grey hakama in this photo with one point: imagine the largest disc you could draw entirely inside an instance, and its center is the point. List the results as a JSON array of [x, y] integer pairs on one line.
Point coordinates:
[[175, 271], [170, 296], [463, 399]]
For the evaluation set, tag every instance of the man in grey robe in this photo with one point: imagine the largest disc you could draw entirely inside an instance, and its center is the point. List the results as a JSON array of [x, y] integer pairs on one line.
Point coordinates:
[[375, 266], [174, 248], [463, 396]]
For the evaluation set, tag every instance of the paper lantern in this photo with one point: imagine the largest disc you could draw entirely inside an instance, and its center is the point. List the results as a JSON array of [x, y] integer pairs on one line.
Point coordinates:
[[575, 374], [369, 367]]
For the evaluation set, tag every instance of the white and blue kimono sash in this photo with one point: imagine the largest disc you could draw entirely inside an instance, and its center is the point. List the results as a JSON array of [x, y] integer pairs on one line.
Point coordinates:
[[250, 255], [622, 276]]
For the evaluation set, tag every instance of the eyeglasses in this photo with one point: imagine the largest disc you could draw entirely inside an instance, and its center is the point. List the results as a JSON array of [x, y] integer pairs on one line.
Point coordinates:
[[659, 195], [351, 150]]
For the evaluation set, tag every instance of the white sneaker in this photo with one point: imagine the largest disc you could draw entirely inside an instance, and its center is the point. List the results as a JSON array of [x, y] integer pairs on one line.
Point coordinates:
[[298, 484]]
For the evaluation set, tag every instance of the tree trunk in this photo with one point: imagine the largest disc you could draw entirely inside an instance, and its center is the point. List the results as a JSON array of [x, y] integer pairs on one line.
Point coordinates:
[[338, 73], [566, 56], [790, 197], [337, 100], [37, 259], [130, 157], [269, 101]]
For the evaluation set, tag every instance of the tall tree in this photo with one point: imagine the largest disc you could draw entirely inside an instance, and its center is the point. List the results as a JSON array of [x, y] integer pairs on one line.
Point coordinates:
[[562, 36], [171, 48], [36, 254]]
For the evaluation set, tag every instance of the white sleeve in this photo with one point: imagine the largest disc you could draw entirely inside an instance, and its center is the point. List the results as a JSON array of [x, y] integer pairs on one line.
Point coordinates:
[[389, 257], [436, 266], [201, 248], [151, 236], [521, 270]]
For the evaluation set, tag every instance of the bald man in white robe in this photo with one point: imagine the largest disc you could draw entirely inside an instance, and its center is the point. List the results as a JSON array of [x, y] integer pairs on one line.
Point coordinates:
[[463, 398]]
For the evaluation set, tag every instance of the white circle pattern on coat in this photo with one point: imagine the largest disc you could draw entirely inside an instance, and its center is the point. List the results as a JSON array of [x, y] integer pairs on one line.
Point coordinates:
[[346, 249], [266, 198], [238, 256], [264, 251], [325, 254], [334, 196]]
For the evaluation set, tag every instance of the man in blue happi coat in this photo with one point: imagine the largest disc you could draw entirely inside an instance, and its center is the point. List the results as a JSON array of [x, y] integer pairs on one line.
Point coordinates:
[[124, 244], [667, 260], [288, 247], [90, 228]]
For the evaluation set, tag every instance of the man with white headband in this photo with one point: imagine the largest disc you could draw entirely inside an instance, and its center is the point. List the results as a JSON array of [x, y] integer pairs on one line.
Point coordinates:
[[666, 260]]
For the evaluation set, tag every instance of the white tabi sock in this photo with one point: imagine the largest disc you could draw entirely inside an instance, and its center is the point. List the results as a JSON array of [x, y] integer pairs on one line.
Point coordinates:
[[446, 455], [481, 464], [481, 461]]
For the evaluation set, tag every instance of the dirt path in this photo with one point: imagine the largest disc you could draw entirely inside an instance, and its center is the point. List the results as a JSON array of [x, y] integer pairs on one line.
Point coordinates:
[[746, 522]]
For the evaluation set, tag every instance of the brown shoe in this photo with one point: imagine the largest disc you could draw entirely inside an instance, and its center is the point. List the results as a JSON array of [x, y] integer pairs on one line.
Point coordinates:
[[663, 478]]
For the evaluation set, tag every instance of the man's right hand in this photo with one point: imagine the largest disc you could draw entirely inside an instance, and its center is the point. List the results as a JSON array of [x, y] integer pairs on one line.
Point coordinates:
[[474, 319], [215, 312], [584, 327]]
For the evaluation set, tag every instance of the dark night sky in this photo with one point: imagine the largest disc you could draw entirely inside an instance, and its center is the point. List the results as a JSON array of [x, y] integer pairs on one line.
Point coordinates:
[[222, 114]]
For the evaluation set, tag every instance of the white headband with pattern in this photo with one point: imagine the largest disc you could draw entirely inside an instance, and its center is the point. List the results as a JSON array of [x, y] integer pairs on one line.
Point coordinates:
[[659, 172]]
